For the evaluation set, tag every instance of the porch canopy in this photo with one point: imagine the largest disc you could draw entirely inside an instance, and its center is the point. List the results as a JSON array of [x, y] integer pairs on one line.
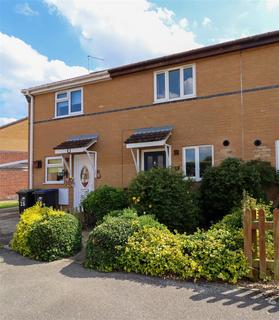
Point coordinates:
[[149, 138], [78, 144]]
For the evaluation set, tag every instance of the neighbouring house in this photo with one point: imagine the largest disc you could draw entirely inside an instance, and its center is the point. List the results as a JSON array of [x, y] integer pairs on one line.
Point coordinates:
[[188, 110], [13, 158]]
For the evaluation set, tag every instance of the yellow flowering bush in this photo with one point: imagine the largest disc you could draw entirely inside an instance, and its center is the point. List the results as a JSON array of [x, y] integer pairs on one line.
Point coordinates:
[[155, 252], [37, 224], [28, 220]]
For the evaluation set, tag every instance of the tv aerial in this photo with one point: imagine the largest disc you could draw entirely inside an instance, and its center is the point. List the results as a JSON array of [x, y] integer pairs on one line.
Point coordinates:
[[92, 57]]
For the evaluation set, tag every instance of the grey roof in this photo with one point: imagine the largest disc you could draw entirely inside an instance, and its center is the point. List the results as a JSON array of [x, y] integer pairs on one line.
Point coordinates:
[[17, 165]]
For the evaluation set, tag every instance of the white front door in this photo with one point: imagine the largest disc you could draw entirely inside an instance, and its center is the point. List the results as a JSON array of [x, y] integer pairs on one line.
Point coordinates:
[[83, 178]]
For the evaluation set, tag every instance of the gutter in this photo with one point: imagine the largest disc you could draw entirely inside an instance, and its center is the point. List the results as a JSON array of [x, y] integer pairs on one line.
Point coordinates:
[[30, 100], [93, 77]]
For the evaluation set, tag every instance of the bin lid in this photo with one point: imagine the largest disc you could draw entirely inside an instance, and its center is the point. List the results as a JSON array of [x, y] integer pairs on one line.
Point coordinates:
[[23, 191], [44, 191]]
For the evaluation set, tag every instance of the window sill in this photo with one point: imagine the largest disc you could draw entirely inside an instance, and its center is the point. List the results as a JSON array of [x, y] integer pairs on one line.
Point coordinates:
[[68, 115], [176, 99], [54, 182]]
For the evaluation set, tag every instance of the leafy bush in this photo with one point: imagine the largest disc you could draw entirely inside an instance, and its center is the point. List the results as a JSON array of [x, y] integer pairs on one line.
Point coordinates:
[[46, 234], [107, 241], [218, 254], [155, 252], [100, 202], [222, 187], [27, 219], [165, 194], [54, 237], [212, 255]]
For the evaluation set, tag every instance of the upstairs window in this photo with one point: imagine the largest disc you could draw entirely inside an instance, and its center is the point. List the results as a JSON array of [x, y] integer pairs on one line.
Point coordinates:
[[196, 160], [68, 103], [174, 84]]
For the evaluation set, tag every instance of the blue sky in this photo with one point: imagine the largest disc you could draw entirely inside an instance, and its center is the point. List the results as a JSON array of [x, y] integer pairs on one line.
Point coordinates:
[[47, 40]]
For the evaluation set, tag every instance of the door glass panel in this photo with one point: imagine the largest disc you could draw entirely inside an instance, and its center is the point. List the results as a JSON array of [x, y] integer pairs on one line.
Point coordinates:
[[174, 84], [190, 163], [84, 176], [205, 154], [160, 161], [154, 159]]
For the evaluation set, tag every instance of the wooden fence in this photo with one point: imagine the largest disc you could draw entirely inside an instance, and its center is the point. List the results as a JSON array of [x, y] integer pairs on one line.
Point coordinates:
[[255, 227]]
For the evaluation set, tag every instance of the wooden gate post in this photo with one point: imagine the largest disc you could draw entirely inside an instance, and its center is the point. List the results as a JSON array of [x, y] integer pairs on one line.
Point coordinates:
[[276, 243], [262, 251], [247, 224], [254, 235]]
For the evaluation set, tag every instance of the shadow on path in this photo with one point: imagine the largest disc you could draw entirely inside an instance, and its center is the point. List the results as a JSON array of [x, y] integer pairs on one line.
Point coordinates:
[[211, 292], [12, 258]]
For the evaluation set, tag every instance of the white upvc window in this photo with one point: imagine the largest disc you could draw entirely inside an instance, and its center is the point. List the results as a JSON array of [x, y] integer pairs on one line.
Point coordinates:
[[277, 154], [54, 170], [68, 103], [175, 83], [196, 159]]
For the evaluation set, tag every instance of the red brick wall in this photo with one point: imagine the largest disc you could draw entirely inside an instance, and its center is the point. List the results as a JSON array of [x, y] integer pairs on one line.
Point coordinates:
[[12, 180], [11, 156]]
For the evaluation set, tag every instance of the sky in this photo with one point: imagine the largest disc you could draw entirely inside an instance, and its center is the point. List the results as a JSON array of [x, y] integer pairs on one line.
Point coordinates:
[[48, 40]]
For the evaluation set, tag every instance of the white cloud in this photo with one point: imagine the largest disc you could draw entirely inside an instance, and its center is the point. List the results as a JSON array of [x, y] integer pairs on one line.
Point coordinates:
[[183, 23], [25, 9], [21, 67], [206, 22], [272, 4], [125, 31], [4, 120]]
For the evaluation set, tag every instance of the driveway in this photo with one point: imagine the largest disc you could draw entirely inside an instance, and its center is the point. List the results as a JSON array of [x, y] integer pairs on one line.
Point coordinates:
[[8, 221], [65, 290]]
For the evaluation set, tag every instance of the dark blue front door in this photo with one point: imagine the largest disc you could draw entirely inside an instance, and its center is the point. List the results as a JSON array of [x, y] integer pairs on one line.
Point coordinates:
[[155, 159]]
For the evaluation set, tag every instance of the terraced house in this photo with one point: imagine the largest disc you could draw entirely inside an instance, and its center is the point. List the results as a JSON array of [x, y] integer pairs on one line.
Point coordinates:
[[188, 110]]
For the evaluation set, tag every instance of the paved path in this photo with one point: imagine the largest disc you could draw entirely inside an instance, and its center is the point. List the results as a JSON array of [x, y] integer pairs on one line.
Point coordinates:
[[8, 221], [65, 290]]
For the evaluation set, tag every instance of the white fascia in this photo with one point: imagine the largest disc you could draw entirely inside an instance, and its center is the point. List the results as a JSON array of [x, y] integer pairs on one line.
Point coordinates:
[[69, 83]]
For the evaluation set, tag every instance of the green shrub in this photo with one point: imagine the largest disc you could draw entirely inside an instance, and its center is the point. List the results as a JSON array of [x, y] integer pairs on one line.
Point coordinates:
[[218, 254], [213, 255], [165, 194], [155, 252], [100, 202], [107, 241], [55, 237], [222, 187], [27, 219]]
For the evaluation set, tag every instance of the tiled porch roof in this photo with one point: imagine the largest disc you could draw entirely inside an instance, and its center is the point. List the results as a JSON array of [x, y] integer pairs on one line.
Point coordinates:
[[149, 135], [77, 142]]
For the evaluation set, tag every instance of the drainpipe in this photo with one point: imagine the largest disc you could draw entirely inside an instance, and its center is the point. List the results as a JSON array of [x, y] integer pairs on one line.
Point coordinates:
[[30, 100], [242, 108]]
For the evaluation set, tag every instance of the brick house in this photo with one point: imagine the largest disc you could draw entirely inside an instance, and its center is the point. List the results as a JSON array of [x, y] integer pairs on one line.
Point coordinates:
[[188, 110], [13, 158]]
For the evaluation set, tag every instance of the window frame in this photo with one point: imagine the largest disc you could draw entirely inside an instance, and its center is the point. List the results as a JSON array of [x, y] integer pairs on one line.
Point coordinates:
[[197, 176], [68, 98], [166, 73], [47, 165]]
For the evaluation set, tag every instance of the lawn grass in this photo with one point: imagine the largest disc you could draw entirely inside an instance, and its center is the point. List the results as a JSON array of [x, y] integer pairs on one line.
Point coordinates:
[[8, 204]]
